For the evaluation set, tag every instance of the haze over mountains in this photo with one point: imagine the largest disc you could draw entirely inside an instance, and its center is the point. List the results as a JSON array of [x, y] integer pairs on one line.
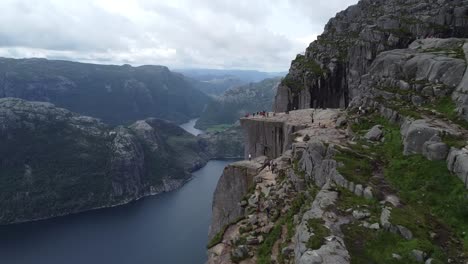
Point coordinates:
[[234, 103], [216, 82]]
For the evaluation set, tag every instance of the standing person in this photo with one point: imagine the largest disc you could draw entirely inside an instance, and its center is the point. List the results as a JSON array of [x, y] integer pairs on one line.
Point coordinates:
[[250, 157], [312, 116]]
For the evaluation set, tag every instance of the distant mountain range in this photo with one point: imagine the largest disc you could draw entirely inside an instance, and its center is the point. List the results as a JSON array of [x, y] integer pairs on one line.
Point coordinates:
[[216, 82], [236, 102], [115, 94]]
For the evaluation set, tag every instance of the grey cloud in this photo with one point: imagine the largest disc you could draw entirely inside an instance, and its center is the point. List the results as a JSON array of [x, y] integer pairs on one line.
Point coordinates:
[[254, 34]]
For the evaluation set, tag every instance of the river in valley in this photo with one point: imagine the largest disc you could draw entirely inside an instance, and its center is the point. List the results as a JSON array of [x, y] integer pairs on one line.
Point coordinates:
[[169, 228]]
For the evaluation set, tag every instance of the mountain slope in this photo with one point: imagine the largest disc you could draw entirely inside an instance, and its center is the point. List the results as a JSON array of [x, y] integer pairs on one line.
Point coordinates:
[[55, 162], [116, 94], [236, 102], [216, 82], [329, 73]]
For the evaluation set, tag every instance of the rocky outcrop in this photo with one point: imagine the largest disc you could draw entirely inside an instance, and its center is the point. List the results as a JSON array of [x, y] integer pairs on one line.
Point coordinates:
[[458, 164], [233, 185], [460, 96], [329, 73], [334, 249], [55, 162], [270, 136]]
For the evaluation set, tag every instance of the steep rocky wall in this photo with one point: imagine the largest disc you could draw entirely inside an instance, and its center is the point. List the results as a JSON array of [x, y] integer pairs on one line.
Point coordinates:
[[233, 185], [271, 136], [460, 96], [329, 73]]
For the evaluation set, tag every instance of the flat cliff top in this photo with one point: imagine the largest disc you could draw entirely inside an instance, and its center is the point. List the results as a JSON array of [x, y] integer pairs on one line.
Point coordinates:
[[324, 125]]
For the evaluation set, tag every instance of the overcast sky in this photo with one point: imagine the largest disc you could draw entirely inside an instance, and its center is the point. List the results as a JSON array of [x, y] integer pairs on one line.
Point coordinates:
[[241, 34]]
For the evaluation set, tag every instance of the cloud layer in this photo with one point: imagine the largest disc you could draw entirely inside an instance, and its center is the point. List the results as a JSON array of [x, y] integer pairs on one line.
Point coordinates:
[[242, 34]]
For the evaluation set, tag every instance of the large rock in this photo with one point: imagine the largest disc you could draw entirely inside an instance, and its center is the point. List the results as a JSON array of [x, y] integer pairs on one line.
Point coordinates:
[[415, 135], [435, 149], [273, 135], [460, 96], [457, 163], [375, 134], [236, 180]]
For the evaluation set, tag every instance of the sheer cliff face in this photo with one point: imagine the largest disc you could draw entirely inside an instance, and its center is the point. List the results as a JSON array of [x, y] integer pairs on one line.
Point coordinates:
[[329, 73], [235, 182], [55, 162]]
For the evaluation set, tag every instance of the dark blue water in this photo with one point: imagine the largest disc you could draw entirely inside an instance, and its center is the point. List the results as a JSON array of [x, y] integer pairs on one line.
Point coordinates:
[[169, 228]]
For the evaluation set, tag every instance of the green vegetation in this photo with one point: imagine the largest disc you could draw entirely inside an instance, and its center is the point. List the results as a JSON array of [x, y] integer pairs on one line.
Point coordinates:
[[447, 107], [218, 238], [308, 64], [347, 200], [455, 53], [320, 232], [66, 165], [356, 167], [293, 83], [264, 251], [376, 246], [297, 170], [218, 128], [434, 202]]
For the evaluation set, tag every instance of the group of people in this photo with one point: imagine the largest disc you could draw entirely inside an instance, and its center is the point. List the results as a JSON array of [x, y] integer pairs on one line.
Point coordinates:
[[262, 113]]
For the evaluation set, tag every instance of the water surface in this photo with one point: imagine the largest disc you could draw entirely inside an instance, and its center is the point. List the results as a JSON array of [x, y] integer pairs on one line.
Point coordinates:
[[169, 228], [190, 127]]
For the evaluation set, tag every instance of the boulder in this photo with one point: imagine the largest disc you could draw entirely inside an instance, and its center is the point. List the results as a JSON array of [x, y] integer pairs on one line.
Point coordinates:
[[385, 218], [457, 163], [341, 121], [415, 134], [405, 232], [435, 150], [418, 255], [361, 214], [375, 134], [358, 190], [241, 252], [368, 193]]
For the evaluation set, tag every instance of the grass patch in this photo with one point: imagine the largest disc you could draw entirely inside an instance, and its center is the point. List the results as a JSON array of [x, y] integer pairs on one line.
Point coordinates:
[[218, 238], [376, 246], [426, 186], [308, 64], [356, 168], [218, 128], [320, 233], [434, 201], [454, 141], [264, 251], [347, 200], [447, 107], [366, 123]]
